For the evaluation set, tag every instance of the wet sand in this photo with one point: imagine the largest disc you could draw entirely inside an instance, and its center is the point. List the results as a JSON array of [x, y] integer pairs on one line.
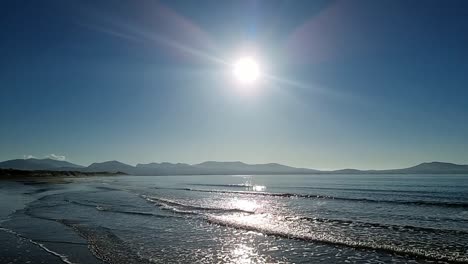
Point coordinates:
[[36, 240]]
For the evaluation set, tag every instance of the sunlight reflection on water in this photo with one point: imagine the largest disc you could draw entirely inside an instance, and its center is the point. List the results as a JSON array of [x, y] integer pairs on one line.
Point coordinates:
[[251, 186], [258, 188], [244, 204], [243, 253]]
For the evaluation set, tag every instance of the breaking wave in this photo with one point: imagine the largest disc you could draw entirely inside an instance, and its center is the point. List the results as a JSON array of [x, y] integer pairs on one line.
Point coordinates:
[[190, 209], [318, 196]]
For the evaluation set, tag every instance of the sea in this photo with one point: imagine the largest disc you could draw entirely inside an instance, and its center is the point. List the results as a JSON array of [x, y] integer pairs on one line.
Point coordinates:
[[236, 219]]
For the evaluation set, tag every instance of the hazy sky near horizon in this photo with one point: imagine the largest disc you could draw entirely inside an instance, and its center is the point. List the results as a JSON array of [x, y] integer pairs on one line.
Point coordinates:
[[362, 84]]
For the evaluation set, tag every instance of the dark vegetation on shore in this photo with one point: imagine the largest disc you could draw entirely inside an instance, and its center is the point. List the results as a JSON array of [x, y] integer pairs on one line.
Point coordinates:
[[12, 173]]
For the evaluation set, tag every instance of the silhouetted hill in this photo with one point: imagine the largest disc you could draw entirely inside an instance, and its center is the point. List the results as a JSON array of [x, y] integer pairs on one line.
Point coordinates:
[[214, 167], [237, 167], [347, 171], [165, 168], [423, 168], [111, 166], [435, 168], [38, 164]]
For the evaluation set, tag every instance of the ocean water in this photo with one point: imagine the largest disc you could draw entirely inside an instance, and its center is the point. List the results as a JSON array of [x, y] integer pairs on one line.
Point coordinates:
[[238, 219]]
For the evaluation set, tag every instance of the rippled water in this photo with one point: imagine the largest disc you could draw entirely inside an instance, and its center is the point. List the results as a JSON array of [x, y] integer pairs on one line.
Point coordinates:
[[247, 219]]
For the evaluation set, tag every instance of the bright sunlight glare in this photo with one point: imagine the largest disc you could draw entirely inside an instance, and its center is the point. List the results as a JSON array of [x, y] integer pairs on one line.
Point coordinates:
[[246, 70]]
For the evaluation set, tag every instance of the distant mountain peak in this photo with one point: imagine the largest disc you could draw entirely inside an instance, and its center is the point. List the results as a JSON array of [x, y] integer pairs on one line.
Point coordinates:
[[38, 164], [210, 162], [437, 165], [109, 162], [110, 166], [441, 163]]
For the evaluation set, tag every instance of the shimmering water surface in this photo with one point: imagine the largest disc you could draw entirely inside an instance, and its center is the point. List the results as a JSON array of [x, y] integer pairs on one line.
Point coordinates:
[[238, 219]]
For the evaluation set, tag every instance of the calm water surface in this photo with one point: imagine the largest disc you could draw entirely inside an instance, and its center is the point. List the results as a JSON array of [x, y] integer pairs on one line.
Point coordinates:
[[240, 219]]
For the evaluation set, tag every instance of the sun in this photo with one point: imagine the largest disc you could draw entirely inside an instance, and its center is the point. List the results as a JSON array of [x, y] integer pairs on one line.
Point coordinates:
[[246, 70]]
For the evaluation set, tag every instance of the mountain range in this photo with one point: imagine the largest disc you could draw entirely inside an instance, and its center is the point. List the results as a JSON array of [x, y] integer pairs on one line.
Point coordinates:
[[216, 167]]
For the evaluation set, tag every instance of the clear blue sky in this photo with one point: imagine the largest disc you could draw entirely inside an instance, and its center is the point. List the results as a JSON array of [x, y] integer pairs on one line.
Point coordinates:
[[363, 84]]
